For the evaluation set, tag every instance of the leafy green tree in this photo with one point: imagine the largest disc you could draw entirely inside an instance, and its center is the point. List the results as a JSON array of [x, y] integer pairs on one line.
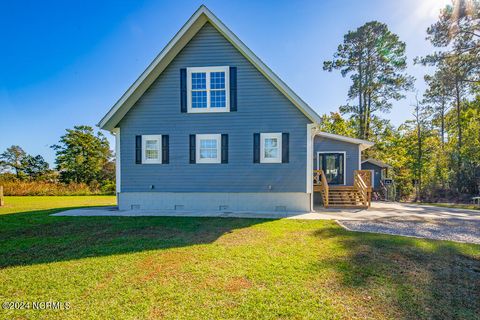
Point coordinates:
[[438, 99], [13, 159], [334, 123], [81, 155], [457, 34], [375, 59], [35, 167], [457, 30]]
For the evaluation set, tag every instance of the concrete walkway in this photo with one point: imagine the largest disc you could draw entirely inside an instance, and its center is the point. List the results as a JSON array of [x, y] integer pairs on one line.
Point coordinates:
[[391, 218]]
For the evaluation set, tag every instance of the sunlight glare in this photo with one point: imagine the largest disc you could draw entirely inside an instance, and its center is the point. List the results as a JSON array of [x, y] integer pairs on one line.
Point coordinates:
[[429, 9]]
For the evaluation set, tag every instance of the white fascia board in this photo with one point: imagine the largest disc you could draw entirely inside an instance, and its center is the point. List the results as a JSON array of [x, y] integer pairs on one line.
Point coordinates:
[[364, 144]]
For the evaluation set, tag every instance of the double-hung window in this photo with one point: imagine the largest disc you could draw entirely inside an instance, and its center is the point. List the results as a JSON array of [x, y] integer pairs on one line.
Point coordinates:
[[270, 147], [208, 148], [208, 89], [151, 149]]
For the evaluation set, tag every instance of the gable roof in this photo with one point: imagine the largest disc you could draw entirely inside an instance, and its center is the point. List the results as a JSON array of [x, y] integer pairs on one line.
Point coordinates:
[[378, 163], [186, 33], [364, 144]]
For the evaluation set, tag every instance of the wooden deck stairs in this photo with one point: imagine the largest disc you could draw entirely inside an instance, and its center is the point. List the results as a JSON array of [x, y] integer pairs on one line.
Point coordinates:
[[356, 196]]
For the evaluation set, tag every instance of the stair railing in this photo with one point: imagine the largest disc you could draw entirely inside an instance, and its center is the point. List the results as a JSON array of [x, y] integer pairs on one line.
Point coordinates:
[[362, 187], [320, 179]]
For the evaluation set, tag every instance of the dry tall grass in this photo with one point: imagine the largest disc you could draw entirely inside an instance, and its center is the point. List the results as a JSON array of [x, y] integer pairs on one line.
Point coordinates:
[[37, 188]]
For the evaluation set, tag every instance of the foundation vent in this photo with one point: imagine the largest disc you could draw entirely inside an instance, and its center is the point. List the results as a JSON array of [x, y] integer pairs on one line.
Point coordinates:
[[179, 207], [135, 207]]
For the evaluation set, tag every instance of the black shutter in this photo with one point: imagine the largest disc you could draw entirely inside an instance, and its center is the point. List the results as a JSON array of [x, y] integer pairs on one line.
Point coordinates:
[[224, 148], [192, 149], [256, 148], [165, 149], [138, 149], [233, 88], [285, 147], [183, 90]]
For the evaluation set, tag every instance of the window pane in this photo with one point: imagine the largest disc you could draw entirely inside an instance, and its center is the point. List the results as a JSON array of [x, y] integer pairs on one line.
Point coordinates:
[[271, 143], [151, 144], [199, 99], [152, 149], [208, 148], [271, 152], [199, 81], [217, 99], [208, 153], [151, 154], [217, 80]]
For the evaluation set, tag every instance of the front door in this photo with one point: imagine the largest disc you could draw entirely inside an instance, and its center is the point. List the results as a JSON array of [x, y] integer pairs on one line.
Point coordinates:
[[333, 165]]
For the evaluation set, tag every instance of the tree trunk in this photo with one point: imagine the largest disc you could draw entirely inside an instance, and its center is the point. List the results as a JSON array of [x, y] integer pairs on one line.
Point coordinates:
[[367, 116], [419, 153], [442, 126], [459, 128], [459, 123], [360, 106]]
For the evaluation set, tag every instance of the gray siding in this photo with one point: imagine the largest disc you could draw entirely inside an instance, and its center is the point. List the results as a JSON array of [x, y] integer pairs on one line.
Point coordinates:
[[261, 108], [351, 155], [377, 172]]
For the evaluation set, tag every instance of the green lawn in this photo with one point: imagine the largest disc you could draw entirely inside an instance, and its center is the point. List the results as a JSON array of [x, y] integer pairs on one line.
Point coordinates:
[[470, 206], [208, 268]]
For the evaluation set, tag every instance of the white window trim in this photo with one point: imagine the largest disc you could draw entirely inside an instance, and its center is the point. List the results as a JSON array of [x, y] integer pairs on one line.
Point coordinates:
[[344, 162], [208, 70], [264, 136], [218, 138], [144, 144]]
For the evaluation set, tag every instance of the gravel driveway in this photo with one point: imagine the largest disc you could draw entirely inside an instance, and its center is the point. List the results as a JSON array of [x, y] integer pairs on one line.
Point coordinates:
[[415, 220], [454, 230]]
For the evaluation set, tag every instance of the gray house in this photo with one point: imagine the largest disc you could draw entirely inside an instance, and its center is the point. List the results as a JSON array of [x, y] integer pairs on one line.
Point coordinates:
[[208, 126]]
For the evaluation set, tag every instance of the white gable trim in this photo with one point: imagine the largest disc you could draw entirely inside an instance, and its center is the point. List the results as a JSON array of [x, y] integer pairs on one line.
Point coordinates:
[[191, 27]]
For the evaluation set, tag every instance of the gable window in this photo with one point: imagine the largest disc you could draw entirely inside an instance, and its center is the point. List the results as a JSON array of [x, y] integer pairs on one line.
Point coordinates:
[[270, 147], [208, 148], [208, 89], [151, 149]]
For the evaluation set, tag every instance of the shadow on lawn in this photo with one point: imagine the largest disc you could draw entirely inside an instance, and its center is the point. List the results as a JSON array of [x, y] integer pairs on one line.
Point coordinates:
[[36, 237], [431, 279]]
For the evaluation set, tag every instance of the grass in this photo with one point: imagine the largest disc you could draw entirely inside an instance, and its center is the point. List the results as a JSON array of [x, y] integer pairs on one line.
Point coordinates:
[[470, 206], [212, 268]]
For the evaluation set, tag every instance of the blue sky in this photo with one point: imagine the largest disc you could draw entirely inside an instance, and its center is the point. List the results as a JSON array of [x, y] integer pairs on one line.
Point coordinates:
[[64, 63]]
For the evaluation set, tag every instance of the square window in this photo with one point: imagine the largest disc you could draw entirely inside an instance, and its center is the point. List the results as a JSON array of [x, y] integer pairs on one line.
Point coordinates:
[[208, 148], [151, 149], [208, 89], [270, 147]]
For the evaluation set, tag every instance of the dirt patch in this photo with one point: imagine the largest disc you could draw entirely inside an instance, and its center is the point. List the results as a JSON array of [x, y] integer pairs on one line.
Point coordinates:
[[242, 237], [162, 267], [236, 284]]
